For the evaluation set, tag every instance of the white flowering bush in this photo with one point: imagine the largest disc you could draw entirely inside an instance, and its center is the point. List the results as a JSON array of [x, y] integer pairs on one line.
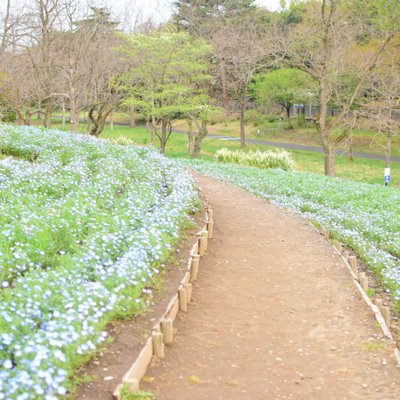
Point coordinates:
[[85, 225], [260, 159], [363, 216]]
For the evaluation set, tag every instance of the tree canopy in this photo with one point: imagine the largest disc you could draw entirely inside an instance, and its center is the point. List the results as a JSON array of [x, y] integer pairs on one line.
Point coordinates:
[[285, 87], [168, 84]]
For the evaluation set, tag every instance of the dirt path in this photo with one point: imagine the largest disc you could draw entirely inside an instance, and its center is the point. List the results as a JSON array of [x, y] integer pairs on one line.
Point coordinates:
[[273, 316]]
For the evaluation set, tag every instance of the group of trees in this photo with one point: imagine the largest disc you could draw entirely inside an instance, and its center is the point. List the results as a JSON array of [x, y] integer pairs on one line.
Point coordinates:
[[63, 55]]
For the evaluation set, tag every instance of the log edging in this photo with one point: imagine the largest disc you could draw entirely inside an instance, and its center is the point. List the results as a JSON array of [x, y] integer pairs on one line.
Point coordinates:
[[162, 332], [360, 280]]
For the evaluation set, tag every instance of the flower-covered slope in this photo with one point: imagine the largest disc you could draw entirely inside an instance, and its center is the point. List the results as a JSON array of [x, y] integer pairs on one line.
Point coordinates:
[[85, 225], [363, 216]]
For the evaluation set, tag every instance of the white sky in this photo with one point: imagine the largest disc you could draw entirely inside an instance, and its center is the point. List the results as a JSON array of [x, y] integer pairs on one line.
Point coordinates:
[[160, 10]]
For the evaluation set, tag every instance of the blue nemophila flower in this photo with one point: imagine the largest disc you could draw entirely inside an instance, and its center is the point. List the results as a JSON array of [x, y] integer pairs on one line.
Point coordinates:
[[84, 229]]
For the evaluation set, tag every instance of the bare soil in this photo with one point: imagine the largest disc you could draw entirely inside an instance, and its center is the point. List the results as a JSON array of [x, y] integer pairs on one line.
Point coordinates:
[[274, 315]]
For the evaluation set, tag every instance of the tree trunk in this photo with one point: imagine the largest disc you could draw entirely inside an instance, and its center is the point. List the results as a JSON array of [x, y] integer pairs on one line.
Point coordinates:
[[198, 139], [324, 130], [28, 115], [330, 160], [99, 121], [153, 129], [111, 122], [163, 144], [166, 129], [242, 127], [225, 97], [388, 150], [48, 112], [73, 117], [351, 158], [287, 108], [190, 136], [132, 117], [63, 116], [324, 91]]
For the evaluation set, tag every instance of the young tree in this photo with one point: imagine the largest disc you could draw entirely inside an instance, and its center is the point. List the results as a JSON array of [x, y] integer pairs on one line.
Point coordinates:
[[245, 51], [164, 85], [322, 45], [285, 87], [199, 116]]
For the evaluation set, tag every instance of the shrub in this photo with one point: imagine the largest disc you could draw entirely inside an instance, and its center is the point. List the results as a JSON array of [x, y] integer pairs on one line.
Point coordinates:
[[254, 117], [259, 159]]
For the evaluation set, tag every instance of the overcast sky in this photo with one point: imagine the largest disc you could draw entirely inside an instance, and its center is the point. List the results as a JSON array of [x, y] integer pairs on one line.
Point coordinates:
[[160, 10]]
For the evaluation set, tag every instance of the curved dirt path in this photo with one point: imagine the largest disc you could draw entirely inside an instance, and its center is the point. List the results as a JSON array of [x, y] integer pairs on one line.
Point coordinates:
[[273, 316]]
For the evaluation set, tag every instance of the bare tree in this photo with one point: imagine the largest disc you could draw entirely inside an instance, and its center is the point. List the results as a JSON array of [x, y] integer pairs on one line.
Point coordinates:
[[381, 109], [42, 21], [322, 45], [102, 67], [244, 51]]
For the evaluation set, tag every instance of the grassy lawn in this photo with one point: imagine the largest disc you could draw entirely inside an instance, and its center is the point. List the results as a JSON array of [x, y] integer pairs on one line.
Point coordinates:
[[278, 131], [360, 169]]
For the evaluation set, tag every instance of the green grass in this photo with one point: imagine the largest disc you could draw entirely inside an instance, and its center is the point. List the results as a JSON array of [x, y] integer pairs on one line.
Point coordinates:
[[361, 169]]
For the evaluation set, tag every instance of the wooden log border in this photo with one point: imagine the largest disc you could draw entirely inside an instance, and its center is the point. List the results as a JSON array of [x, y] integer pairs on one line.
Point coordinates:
[[162, 333], [360, 280]]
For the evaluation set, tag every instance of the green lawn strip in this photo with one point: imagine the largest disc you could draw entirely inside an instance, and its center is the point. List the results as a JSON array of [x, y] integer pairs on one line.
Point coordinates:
[[361, 169], [364, 141]]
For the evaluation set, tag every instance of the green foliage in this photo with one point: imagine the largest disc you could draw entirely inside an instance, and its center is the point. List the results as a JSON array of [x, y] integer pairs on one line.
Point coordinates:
[[167, 74], [199, 17], [382, 15], [260, 159], [291, 13], [139, 395], [284, 86], [254, 117]]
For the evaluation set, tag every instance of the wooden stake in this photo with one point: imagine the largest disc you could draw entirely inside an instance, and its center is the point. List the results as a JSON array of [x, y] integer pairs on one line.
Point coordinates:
[[325, 233], [353, 263], [194, 268], [363, 281], [386, 314], [158, 344], [117, 392], [202, 245], [182, 299], [206, 243], [167, 329], [210, 228], [188, 288], [346, 255], [210, 214]]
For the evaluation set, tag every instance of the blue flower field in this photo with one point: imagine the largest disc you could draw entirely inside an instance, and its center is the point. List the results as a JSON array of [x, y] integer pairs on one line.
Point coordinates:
[[85, 226]]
